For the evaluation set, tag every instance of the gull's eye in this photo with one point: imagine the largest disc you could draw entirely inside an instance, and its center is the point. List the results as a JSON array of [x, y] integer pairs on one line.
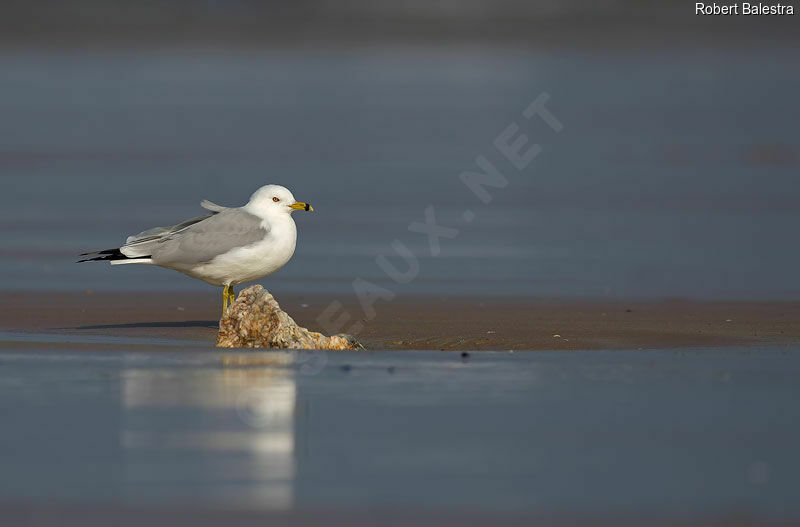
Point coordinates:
[[276, 200]]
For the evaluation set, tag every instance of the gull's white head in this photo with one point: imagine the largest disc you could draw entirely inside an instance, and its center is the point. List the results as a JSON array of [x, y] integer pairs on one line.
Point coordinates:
[[275, 199]]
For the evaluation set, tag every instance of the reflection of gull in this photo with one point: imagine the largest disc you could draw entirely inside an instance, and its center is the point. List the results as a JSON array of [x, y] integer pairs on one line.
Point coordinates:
[[245, 453], [229, 247]]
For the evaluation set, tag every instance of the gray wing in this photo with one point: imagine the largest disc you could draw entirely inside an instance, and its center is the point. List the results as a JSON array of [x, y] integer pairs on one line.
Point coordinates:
[[159, 232], [137, 245], [202, 241]]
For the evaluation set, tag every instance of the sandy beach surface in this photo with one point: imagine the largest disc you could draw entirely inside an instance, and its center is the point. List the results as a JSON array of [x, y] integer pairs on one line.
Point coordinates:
[[119, 406], [31, 515], [435, 323], [158, 431]]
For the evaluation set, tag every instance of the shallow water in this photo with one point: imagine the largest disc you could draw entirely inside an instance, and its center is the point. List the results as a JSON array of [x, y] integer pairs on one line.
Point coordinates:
[[692, 431], [675, 174]]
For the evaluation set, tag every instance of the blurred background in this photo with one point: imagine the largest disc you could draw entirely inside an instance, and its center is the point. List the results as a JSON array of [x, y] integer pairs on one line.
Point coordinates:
[[675, 175]]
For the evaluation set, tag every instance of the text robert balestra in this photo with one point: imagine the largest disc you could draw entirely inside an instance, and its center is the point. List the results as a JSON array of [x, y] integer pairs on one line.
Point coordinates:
[[743, 8]]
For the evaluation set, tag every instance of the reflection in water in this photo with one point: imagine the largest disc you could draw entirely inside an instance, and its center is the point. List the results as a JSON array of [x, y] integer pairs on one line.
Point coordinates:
[[395, 430], [212, 432]]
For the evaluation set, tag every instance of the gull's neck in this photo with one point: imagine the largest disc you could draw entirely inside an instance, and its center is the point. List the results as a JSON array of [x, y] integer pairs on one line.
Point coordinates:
[[272, 217]]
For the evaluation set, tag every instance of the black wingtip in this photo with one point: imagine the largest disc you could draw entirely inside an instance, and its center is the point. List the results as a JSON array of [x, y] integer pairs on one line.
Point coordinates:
[[111, 255], [102, 256]]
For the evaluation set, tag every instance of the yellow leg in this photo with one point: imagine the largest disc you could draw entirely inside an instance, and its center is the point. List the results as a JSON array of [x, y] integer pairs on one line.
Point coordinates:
[[225, 298], [232, 294]]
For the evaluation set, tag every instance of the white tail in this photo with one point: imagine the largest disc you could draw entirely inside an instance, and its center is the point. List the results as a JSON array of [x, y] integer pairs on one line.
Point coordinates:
[[132, 261]]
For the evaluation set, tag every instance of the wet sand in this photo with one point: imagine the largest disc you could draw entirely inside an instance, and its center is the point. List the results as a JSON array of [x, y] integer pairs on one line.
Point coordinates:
[[35, 515], [186, 435], [424, 322]]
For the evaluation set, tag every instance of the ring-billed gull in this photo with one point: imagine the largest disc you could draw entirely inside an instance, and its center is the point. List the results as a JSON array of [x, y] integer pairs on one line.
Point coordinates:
[[230, 246]]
